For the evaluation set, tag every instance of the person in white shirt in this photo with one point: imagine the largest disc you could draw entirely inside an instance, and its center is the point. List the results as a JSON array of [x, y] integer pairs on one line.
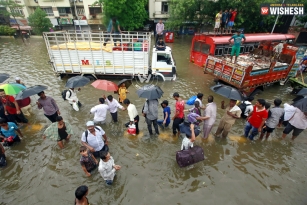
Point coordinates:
[[189, 139], [248, 108], [95, 139], [297, 123], [159, 30], [71, 96], [113, 106], [133, 115], [107, 168], [100, 112]]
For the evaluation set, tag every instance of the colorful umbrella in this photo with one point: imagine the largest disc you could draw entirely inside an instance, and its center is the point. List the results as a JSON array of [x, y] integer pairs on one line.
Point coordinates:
[[12, 88], [105, 85]]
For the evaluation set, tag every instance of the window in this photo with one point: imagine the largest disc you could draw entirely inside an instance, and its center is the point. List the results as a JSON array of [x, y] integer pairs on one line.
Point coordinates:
[[95, 10], [164, 9], [205, 48], [219, 51], [197, 46], [64, 11], [17, 11], [48, 11], [163, 57], [80, 11]]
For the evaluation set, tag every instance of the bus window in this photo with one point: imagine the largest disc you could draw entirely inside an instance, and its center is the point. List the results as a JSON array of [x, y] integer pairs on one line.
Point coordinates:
[[249, 48], [205, 48], [227, 50], [197, 46], [219, 51], [242, 49]]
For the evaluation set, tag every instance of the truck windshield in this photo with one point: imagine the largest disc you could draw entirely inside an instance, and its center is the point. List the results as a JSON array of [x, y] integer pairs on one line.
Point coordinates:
[[164, 57], [205, 48]]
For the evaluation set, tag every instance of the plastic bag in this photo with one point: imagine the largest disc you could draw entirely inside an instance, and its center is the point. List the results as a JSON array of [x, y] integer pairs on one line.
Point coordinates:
[[191, 101], [131, 129], [75, 106]]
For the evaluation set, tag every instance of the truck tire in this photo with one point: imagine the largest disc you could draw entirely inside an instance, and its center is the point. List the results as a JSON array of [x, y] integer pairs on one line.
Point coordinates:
[[255, 92]]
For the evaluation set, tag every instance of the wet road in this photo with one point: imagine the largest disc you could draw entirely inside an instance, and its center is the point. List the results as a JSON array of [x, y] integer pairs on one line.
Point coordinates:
[[236, 171]]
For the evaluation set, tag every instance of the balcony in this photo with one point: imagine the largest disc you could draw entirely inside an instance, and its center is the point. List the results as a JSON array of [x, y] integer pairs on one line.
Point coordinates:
[[161, 14]]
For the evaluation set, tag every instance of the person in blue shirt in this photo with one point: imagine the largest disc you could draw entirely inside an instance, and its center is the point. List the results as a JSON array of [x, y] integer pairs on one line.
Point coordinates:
[[237, 40], [166, 113], [224, 21], [8, 131]]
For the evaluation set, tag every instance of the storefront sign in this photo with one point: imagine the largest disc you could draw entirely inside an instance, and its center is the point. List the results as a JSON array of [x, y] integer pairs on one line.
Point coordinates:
[[65, 21], [80, 22], [94, 21]]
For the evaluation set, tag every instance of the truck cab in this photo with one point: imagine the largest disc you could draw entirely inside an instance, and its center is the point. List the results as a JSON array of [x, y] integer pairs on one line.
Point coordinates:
[[163, 62]]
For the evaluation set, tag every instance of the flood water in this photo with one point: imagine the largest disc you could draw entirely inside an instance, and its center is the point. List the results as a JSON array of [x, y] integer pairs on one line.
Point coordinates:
[[235, 171]]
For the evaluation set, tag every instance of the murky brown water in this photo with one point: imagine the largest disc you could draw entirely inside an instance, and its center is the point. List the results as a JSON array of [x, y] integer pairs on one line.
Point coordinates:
[[235, 172]]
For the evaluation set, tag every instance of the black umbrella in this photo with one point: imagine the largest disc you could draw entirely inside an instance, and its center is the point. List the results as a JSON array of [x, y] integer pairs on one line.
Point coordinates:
[[77, 81], [3, 77], [227, 91], [150, 92], [303, 91], [301, 104], [127, 82], [30, 91]]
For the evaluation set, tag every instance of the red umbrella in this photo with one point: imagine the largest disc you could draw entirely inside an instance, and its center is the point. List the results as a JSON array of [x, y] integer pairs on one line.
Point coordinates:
[[105, 85]]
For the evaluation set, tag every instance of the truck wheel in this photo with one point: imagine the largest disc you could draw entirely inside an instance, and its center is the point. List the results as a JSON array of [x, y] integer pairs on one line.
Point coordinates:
[[255, 92], [92, 78]]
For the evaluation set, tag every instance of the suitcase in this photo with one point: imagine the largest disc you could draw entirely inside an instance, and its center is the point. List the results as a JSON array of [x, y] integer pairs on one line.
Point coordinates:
[[191, 156]]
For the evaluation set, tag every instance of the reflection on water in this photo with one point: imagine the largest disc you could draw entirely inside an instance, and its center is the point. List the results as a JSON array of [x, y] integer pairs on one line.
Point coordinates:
[[236, 171]]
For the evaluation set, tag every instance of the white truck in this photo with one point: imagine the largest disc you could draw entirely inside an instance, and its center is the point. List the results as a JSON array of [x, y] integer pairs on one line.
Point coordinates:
[[100, 54]]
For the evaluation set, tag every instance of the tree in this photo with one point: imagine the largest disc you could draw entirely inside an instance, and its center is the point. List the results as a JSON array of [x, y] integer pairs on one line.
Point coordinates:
[[130, 13], [11, 9], [204, 11], [39, 22]]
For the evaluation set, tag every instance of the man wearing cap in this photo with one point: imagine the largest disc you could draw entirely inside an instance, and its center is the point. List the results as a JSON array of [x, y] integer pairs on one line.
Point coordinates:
[[95, 139], [48, 104], [18, 80]]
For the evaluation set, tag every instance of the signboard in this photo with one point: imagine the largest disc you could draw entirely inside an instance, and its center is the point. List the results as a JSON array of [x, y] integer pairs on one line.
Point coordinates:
[[82, 22], [65, 21], [94, 21]]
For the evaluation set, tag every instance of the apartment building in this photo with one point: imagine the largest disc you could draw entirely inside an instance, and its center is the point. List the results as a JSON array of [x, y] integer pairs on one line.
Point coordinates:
[[158, 9], [63, 14]]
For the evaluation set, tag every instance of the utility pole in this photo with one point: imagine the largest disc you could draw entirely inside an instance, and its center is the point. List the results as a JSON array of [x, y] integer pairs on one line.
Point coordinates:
[[77, 14], [276, 19]]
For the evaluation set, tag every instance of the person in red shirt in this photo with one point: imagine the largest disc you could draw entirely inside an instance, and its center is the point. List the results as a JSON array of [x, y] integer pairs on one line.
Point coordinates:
[[256, 119], [179, 114], [231, 21], [12, 109]]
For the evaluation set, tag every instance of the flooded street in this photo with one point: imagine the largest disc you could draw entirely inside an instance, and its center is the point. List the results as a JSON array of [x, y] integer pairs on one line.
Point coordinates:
[[235, 171]]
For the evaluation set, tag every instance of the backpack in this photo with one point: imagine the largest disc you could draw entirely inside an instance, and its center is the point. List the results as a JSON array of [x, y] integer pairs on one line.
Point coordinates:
[[243, 106], [64, 94], [86, 133], [191, 101]]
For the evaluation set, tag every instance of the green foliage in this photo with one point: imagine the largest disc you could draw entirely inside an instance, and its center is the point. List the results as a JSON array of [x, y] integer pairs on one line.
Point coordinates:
[[204, 11], [131, 14], [11, 7], [39, 22], [6, 30]]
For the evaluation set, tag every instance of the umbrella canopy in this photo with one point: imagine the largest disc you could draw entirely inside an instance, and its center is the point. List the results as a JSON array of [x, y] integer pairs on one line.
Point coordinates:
[[227, 91], [303, 91], [150, 92], [12, 88], [127, 82], [105, 85], [30, 91], [77, 81], [3, 77], [301, 104]]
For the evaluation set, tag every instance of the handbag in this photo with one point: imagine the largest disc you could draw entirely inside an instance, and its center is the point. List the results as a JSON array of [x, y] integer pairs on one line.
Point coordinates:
[[131, 129], [75, 106], [190, 156]]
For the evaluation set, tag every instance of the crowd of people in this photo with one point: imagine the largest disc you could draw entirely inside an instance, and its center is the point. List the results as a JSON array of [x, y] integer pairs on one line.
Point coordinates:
[[224, 21], [94, 149]]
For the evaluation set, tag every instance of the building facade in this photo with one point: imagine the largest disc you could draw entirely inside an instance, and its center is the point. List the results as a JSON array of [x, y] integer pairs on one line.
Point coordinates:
[[63, 14], [158, 9]]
